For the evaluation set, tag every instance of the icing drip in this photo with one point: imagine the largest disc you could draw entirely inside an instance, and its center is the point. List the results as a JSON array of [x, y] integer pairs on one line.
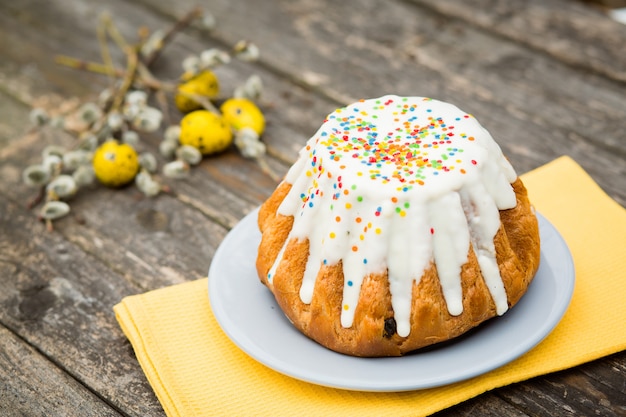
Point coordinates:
[[393, 184]]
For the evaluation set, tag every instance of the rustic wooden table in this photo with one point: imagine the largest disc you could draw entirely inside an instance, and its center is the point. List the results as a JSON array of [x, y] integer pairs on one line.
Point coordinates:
[[546, 77]]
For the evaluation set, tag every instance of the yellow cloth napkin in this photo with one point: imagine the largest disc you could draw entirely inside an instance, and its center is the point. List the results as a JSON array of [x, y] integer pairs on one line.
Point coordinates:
[[196, 370]]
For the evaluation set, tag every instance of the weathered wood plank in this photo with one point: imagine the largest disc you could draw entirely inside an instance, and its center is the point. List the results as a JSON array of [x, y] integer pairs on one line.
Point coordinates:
[[59, 300], [557, 27], [566, 394], [32, 386], [614, 372], [610, 372], [27, 44], [486, 405]]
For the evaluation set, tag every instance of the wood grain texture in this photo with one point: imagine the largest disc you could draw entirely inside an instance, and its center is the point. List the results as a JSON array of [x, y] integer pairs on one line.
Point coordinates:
[[38, 387], [59, 300], [545, 77], [569, 31]]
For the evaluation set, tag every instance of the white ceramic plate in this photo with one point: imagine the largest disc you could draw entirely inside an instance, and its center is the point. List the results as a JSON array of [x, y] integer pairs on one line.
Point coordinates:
[[248, 314]]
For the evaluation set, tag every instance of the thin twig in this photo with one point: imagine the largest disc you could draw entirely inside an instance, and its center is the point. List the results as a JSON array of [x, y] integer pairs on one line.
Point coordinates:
[[202, 100], [144, 78], [179, 25], [90, 66], [38, 198], [267, 169], [129, 77], [114, 33], [161, 99], [101, 30]]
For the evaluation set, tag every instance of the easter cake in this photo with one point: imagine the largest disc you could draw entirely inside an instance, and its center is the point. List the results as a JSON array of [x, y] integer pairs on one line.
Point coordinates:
[[401, 225]]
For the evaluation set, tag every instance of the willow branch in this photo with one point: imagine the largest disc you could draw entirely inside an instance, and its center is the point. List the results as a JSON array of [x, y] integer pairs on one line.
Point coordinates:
[[202, 100], [114, 33], [101, 30], [179, 25], [267, 169], [129, 77], [90, 66]]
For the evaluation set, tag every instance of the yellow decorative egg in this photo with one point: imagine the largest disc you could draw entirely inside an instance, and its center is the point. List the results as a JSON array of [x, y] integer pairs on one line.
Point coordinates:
[[204, 84], [206, 131], [241, 112], [115, 164]]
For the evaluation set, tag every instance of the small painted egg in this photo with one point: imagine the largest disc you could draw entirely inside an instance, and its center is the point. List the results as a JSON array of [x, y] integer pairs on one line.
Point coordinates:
[[241, 112], [205, 131], [115, 164]]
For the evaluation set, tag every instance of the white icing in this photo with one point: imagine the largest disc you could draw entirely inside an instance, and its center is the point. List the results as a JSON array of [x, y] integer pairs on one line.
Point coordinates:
[[393, 184]]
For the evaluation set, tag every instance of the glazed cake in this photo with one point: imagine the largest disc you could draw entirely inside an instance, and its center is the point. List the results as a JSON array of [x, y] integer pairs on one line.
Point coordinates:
[[400, 225]]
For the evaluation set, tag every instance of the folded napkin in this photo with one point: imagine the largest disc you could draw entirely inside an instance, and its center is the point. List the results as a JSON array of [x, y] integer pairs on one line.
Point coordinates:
[[196, 370]]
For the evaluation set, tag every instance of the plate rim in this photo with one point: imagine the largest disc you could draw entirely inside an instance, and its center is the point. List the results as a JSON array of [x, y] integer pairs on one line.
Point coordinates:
[[562, 300]]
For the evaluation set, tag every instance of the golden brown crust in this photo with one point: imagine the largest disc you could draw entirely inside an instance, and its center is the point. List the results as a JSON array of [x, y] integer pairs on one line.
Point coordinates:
[[373, 331]]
